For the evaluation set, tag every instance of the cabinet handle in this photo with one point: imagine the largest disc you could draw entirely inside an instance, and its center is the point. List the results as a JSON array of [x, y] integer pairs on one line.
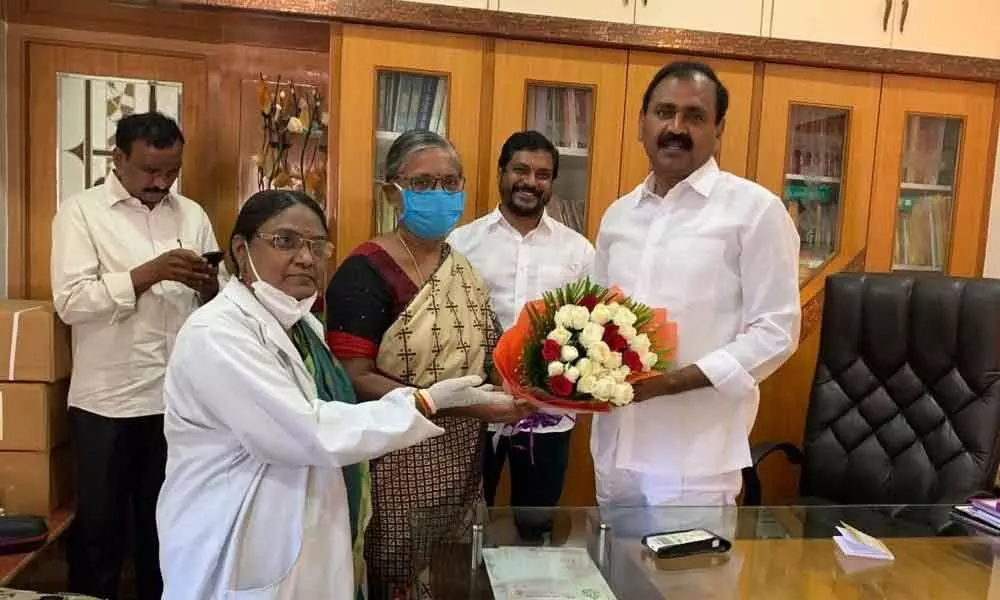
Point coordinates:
[[885, 17], [902, 18], [644, 2]]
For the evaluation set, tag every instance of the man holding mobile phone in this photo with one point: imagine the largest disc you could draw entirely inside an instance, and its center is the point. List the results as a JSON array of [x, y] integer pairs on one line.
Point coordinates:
[[127, 270]]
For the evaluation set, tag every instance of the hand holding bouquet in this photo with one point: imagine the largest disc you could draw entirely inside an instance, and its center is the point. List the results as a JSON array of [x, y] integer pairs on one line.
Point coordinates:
[[580, 348]]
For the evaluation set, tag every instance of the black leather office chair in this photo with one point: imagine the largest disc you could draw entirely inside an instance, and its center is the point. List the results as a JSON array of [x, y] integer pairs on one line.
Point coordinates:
[[905, 403]]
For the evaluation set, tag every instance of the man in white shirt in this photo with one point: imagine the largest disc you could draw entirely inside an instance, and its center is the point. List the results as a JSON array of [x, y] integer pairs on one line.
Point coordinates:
[[127, 270], [521, 252], [720, 253]]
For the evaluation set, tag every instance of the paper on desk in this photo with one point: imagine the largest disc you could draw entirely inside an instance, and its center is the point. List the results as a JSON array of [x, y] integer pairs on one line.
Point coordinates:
[[856, 543], [544, 574]]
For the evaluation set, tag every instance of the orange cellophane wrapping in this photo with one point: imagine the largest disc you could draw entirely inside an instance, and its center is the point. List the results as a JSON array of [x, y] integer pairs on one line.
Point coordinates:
[[508, 359]]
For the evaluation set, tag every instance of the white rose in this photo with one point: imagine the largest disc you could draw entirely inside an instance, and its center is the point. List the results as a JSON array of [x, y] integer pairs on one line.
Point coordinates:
[[614, 360], [591, 334], [587, 385], [621, 374], [560, 335], [649, 360], [628, 332], [624, 316], [598, 352], [613, 308], [623, 394], [556, 368], [585, 367], [601, 314], [579, 317], [572, 374], [640, 344], [569, 353], [605, 389], [295, 125], [562, 316]]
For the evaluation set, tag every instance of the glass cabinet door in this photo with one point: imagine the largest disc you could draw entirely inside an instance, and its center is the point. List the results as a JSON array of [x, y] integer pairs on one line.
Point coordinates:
[[930, 193], [824, 122], [575, 97], [565, 116], [405, 101], [391, 81], [812, 190], [926, 193]]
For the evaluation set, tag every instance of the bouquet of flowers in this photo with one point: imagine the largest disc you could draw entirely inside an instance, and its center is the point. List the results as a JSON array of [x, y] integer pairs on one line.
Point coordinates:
[[581, 347]]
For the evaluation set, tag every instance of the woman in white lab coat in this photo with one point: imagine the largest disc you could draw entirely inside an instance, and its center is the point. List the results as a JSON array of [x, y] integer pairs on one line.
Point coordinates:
[[266, 494]]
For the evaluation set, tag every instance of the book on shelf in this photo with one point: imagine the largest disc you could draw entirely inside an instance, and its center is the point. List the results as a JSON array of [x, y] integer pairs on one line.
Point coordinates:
[[923, 231], [561, 114], [408, 101]]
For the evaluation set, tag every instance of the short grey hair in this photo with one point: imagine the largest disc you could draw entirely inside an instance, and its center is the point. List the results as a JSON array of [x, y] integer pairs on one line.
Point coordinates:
[[411, 142]]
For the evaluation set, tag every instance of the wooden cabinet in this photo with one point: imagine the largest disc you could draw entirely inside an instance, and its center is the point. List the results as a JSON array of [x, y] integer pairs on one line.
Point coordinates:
[[928, 197], [960, 27], [616, 11], [721, 16], [737, 76], [963, 27], [854, 22], [393, 80], [574, 96], [817, 148]]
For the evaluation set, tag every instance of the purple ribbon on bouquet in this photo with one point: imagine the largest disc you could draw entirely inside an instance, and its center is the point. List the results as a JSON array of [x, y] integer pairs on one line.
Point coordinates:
[[528, 425]]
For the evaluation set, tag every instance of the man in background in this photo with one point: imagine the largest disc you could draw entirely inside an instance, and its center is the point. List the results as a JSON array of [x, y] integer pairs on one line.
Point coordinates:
[[720, 253], [521, 252], [127, 270]]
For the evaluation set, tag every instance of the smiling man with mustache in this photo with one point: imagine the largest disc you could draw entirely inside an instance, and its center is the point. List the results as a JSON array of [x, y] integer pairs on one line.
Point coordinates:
[[721, 254], [127, 270], [520, 252]]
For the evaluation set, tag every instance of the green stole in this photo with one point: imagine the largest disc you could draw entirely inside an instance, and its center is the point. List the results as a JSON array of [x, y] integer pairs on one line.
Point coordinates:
[[334, 385]]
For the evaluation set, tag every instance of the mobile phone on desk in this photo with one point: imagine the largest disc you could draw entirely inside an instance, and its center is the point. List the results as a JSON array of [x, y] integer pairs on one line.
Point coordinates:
[[214, 257], [685, 542]]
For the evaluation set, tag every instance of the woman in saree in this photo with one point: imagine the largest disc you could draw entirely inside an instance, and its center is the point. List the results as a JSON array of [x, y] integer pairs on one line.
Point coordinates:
[[404, 310], [267, 492]]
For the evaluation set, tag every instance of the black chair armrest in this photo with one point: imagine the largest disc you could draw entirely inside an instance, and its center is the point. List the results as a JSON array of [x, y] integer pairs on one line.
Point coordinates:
[[751, 476]]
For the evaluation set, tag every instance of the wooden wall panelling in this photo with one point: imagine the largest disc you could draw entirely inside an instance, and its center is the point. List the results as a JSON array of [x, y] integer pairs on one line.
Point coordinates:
[[522, 64], [4, 152], [737, 76], [971, 102], [16, 158], [333, 149], [366, 51], [618, 35], [45, 61], [171, 23]]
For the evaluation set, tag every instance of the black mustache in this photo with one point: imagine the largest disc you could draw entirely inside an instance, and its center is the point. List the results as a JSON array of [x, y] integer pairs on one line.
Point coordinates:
[[683, 139], [527, 190], [155, 191]]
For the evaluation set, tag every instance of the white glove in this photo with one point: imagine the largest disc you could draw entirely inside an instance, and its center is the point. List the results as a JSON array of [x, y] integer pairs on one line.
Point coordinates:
[[464, 391]]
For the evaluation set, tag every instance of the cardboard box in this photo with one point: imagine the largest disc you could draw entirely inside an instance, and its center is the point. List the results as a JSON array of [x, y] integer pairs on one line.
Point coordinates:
[[34, 342], [36, 483], [33, 416]]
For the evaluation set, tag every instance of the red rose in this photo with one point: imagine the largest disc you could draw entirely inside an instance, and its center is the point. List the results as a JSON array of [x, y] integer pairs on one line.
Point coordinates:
[[631, 360], [589, 302], [610, 331], [551, 350], [560, 386]]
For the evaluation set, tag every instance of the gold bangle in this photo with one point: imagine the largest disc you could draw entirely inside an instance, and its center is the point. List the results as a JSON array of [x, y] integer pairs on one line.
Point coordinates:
[[424, 403]]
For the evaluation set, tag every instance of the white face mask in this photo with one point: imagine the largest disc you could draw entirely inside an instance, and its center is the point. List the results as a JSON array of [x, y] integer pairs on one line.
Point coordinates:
[[286, 309]]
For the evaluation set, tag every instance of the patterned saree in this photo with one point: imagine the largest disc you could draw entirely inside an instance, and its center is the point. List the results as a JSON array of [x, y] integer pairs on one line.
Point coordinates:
[[417, 336]]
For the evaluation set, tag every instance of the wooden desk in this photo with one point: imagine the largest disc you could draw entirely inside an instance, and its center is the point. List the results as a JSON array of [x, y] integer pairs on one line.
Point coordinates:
[[12, 565]]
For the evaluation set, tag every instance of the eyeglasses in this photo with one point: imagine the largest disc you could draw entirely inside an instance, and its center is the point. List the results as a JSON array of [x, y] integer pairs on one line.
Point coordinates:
[[424, 183], [289, 241]]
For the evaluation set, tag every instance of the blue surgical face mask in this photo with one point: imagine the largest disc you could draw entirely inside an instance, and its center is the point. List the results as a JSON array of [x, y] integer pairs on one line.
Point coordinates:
[[431, 214]]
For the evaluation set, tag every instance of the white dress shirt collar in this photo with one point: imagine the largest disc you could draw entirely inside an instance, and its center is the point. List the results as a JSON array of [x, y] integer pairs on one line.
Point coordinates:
[[115, 192], [496, 219], [702, 181]]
